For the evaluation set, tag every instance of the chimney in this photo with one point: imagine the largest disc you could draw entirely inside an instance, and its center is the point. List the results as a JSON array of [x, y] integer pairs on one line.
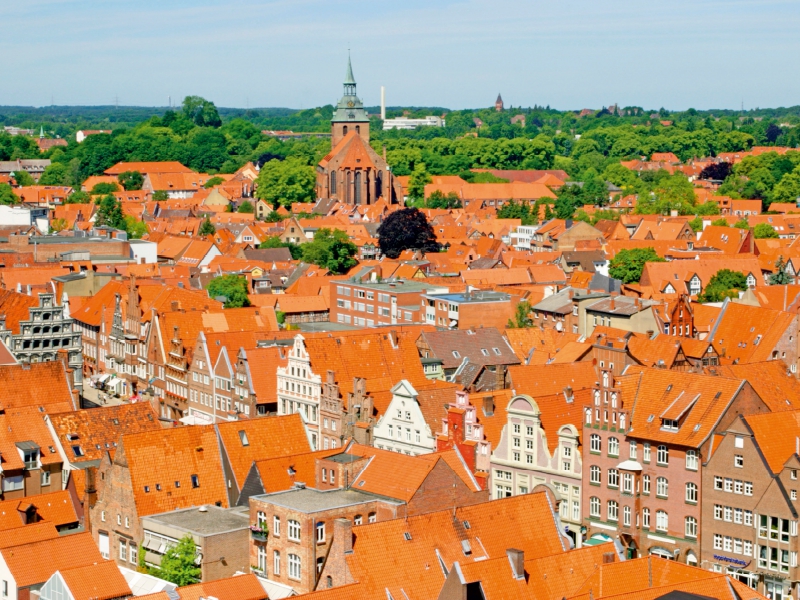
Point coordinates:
[[517, 560], [488, 406], [174, 305], [650, 333], [613, 303], [343, 530], [608, 557]]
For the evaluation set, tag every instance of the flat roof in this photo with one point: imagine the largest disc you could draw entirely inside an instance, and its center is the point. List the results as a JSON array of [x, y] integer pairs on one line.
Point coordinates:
[[308, 500], [213, 521], [401, 285], [473, 297]]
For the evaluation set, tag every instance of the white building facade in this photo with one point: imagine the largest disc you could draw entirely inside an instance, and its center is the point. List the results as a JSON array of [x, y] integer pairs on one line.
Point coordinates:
[[402, 428], [300, 389]]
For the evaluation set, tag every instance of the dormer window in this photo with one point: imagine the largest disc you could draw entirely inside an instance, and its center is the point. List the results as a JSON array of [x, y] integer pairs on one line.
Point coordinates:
[[669, 424]]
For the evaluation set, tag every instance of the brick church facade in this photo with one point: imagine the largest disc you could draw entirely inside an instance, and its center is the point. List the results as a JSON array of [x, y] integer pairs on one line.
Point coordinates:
[[353, 173]]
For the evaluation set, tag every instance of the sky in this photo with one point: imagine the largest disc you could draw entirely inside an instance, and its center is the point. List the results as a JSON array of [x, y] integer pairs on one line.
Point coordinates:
[[569, 54]]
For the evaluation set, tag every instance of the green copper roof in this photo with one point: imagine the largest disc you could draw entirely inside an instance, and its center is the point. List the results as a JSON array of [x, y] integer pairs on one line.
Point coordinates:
[[349, 79]]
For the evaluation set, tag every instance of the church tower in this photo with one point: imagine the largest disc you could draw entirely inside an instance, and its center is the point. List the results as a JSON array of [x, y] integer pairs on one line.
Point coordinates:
[[349, 114]]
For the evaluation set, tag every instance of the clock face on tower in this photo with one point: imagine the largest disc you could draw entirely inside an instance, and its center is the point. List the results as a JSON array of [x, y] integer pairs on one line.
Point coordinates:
[[351, 104]]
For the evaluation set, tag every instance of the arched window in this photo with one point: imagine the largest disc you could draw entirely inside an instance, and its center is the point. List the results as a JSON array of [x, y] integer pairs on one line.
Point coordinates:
[[613, 510], [358, 129], [379, 183], [691, 527], [662, 487], [662, 521], [596, 443], [329, 581], [333, 183], [357, 188], [691, 492], [613, 446], [348, 186], [594, 474], [594, 506], [662, 457], [344, 131], [613, 478], [294, 566]]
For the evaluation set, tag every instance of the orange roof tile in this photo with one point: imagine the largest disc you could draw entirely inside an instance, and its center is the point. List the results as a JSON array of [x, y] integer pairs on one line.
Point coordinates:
[[98, 581], [27, 534], [34, 563], [148, 167], [238, 587], [43, 386]]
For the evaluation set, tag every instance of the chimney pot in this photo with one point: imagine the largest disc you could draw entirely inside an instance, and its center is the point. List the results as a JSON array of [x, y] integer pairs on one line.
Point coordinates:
[[608, 557]]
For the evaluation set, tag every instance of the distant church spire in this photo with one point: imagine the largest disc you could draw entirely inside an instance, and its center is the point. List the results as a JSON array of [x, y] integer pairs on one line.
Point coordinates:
[[498, 105], [41, 132], [349, 80]]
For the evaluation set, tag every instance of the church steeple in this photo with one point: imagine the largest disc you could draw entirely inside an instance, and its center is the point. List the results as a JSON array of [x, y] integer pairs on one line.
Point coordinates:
[[349, 114]]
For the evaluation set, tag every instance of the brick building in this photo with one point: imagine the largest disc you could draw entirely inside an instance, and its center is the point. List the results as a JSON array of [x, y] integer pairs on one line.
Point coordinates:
[[469, 309], [749, 502], [385, 303], [645, 437]]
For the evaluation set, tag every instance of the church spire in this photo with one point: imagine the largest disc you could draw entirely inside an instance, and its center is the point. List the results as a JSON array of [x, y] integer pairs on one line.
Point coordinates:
[[349, 80]]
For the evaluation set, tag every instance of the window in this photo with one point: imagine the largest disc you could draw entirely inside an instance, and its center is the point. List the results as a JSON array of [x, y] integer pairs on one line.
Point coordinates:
[[717, 482], [294, 530], [662, 456], [372, 518], [737, 515], [45, 478], [613, 510], [645, 484], [133, 554], [646, 517], [748, 488], [320, 533], [613, 446], [662, 487], [276, 563], [594, 506], [123, 550], [646, 452], [691, 527], [717, 541], [195, 481], [632, 450], [294, 566], [627, 483], [613, 478], [662, 521], [738, 461], [728, 511], [748, 518], [594, 474], [691, 492], [358, 519], [718, 512], [691, 460], [626, 515], [595, 443], [728, 484], [276, 526], [737, 486]]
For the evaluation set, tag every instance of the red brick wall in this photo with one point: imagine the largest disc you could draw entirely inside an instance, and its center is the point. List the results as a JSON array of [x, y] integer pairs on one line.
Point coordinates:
[[443, 489]]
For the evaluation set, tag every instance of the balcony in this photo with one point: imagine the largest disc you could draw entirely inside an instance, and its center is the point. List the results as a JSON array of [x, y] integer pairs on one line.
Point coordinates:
[[259, 533]]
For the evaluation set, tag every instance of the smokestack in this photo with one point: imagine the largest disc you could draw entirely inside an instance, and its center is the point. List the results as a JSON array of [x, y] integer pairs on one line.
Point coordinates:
[[383, 103]]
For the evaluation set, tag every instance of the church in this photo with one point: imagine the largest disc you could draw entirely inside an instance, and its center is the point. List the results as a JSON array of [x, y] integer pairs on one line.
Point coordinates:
[[353, 173]]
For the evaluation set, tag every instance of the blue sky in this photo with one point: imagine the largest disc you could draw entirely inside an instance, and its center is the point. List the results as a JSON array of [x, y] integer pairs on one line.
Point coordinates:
[[453, 53]]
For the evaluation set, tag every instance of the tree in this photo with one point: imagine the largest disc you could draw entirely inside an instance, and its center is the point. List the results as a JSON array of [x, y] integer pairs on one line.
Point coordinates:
[[131, 180], [283, 182], [201, 112], [160, 195], [723, 284], [332, 250], [519, 210], [742, 224], [781, 275], [522, 316], [7, 195], [717, 171], [628, 264], [246, 207], [57, 225], [135, 228], [439, 200], [55, 174], [232, 287], [105, 187], [276, 242], [214, 181], [406, 229], [417, 181], [696, 224], [178, 563], [764, 231], [78, 198], [207, 227], [720, 223], [109, 213], [23, 178], [274, 216]]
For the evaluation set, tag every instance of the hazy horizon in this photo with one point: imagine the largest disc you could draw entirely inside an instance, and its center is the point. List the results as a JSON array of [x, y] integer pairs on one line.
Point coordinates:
[[705, 54]]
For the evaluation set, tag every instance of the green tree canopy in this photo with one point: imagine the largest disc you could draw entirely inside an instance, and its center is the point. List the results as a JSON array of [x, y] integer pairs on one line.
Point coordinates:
[[160, 195], [109, 213], [332, 250], [23, 178], [135, 228], [723, 284], [105, 187], [417, 181], [78, 198], [781, 275], [201, 112], [439, 200], [131, 180], [406, 229], [55, 174], [628, 264], [285, 182], [522, 316], [178, 563], [7, 195], [207, 227], [276, 242], [214, 181], [232, 287], [246, 207], [764, 231], [742, 224]]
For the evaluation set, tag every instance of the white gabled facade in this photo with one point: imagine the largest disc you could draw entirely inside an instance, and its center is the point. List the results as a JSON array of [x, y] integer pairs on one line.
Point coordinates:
[[300, 389], [402, 428]]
